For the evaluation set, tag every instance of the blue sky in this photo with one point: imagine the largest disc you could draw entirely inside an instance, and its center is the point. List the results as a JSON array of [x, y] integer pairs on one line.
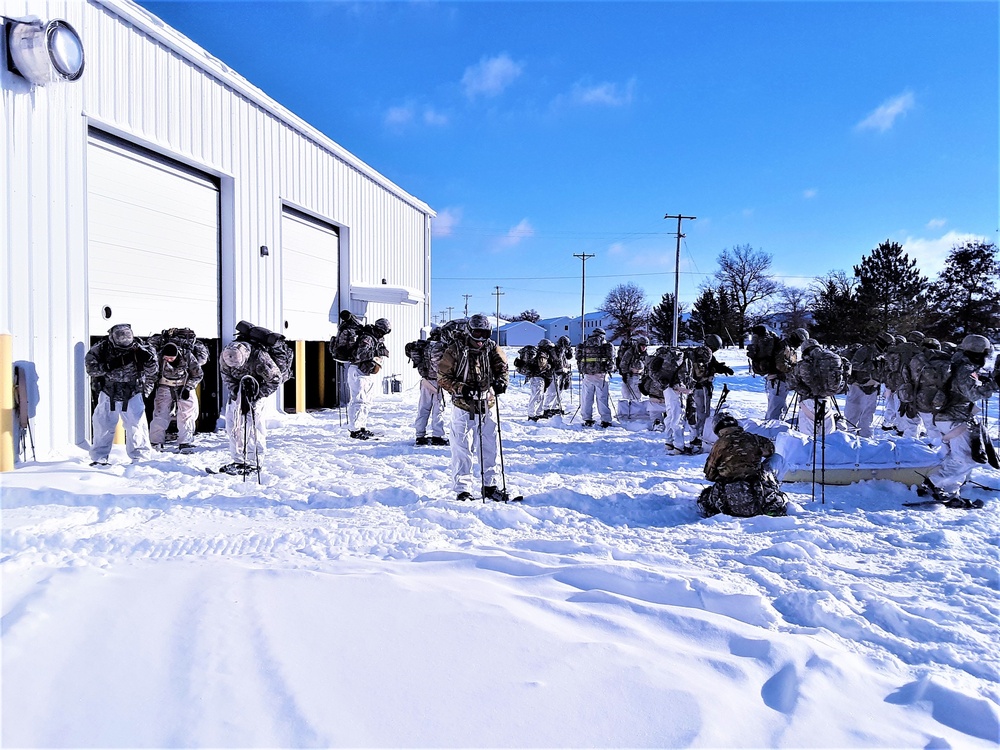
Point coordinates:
[[539, 131]]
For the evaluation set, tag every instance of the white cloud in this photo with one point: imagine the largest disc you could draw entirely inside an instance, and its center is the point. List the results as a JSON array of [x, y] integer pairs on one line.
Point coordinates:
[[515, 235], [490, 76], [433, 117], [616, 248], [603, 94], [931, 253], [810, 193], [886, 114], [397, 117], [443, 225], [936, 223]]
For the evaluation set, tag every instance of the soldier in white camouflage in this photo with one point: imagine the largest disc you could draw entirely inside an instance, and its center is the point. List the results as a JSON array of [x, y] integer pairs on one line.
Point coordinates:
[[425, 353], [123, 372], [595, 359]]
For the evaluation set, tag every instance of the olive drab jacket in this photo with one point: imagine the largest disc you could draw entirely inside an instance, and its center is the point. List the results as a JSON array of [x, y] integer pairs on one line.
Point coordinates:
[[737, 454], [462, 365]]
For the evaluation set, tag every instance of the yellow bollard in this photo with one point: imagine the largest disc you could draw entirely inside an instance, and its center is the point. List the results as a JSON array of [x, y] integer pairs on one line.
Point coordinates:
[[6, 402], [300, 377], [321, 353]]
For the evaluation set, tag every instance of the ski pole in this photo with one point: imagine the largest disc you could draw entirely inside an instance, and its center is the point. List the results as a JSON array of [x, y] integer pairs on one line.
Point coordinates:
[[822, 412], [480, 409], [503, 473], [814, 453]]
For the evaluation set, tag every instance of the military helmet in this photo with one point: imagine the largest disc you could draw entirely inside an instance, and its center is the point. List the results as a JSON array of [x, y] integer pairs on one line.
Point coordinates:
[[931, 343], [713, 342], [808, 345], [169, 350], [798, 337], [759, 330], [236, 354], [599, 332], [975, 344], [544, 344], [900, 339], [915, 337], [480, 327], [641, 341], [121, 335], [724, 421], [885, 339], [382, 326], [563, 341]]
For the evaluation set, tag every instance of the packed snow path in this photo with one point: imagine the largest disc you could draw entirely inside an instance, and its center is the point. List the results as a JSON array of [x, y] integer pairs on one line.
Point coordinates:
[[349, 600]]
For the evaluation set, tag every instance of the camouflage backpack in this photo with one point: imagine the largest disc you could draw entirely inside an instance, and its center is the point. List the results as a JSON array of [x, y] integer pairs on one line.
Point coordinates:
[[896, 370], [526, 361], [343, 343], [418, 352], [763, 353], [671, 368], [819, 374], [930, 375], [700, 358]]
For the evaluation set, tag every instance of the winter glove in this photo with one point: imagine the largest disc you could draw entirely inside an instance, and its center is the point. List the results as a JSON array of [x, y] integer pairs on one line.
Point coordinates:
[[499, 386], [470, 392], [728, 371]]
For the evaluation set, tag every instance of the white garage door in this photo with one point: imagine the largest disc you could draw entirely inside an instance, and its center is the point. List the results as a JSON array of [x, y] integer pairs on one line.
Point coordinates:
[[153, 241], [310, 252]]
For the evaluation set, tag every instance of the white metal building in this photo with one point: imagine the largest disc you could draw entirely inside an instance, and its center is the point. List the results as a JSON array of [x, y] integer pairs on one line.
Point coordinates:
[[162, 189]]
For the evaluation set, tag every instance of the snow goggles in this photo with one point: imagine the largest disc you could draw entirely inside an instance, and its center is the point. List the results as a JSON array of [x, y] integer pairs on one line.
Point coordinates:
[[480, 334]]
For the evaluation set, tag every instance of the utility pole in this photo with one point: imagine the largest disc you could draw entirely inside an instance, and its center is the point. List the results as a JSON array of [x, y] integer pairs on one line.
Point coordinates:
[[466, 304], [449, 311], [583, 292], [498, 294], [677, 271], [442, 315]]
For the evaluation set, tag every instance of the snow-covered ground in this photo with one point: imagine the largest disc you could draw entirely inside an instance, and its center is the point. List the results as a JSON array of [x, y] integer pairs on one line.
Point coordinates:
[[349, 601]]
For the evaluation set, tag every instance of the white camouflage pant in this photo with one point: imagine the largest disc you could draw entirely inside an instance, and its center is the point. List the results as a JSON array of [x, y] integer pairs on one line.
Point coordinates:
[[777, 397], [859, 409], [673, 417], [807, 417], [105, 420], [163, 407], [595, 387], [958, 461], [536, 396], [466, 430], [362, 388], [630, 388], [430, 409], [247, 433]]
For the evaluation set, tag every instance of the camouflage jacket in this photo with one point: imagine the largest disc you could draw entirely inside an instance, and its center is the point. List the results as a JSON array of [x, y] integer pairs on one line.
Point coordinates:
[[737, 454], [370, 351], [964, 389], [260, 366], [461, 366], [121, 373], [595, 357]]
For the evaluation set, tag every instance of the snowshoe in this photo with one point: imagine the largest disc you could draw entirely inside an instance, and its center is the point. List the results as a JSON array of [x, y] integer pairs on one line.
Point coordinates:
[[185, 448], [498, 495], [100, 464], [362, 434], [439, 441], [657, 425], [588, 423], [605, 425], [420, 441], [463, 496], [236, 468]]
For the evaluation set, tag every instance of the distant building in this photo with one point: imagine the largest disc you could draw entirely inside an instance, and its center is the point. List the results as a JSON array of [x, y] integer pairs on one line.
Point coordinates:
[[521, 333]]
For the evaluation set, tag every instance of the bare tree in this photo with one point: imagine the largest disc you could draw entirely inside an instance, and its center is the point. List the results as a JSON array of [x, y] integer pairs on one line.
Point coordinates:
[[627, 304], [793, 305], [743, 272], [531, 316]]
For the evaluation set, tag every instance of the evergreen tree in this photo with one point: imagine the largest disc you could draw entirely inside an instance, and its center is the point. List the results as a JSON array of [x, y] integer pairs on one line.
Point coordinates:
[[891, 291], [531, 316], [965, 298], [836, 316], [661, 321], [627, 304]]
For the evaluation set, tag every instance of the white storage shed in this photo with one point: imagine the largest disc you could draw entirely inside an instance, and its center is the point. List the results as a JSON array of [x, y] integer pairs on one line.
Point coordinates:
[[157, 187]]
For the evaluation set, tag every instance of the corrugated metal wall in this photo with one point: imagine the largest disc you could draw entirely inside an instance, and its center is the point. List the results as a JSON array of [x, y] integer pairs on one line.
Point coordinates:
[[152, 86]]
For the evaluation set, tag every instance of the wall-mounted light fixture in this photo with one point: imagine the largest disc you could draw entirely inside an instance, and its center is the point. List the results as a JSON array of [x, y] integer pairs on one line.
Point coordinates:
[[44, 52], [264, 252]]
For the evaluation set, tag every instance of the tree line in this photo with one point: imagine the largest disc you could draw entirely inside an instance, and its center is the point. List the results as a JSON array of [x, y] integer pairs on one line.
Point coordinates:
[[885, 292]]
